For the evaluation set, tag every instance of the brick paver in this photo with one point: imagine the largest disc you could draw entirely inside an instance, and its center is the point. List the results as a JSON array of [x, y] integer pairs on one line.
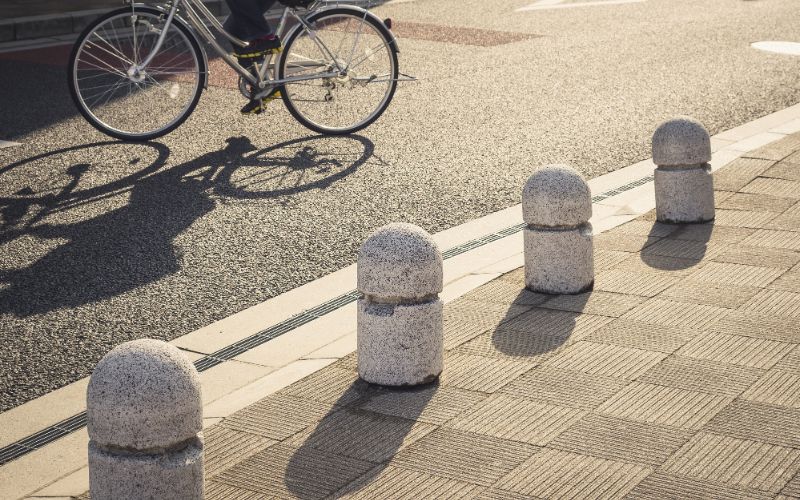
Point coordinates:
[[678, 377]]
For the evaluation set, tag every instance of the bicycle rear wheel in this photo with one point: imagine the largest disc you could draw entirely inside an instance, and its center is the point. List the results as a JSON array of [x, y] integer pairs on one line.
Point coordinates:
[[363, 48], [125, 103]]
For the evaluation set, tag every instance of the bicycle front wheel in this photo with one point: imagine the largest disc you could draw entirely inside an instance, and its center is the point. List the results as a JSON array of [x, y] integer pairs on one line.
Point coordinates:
[[126, 102], [355, 46]]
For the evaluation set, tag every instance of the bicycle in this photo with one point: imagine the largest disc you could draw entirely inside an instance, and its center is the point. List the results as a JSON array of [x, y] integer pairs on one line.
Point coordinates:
[[137, 73]]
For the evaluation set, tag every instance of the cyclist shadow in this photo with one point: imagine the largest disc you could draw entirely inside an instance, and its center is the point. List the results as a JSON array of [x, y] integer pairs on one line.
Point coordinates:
[[131, 246]]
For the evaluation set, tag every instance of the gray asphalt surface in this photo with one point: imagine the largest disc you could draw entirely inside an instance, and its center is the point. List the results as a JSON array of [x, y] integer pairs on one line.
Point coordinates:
[[157, 240]]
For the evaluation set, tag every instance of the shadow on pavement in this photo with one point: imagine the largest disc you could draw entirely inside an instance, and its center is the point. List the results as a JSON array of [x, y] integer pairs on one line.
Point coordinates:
[[684, 248], [352, 444], [130, 246]]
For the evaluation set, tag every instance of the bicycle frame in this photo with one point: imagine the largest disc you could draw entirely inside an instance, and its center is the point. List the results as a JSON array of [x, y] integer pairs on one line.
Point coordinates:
[[200, 18]]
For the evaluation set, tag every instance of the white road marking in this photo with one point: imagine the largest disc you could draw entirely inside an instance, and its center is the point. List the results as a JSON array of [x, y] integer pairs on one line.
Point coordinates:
[[790, 48], [7, 144], [558, 4]]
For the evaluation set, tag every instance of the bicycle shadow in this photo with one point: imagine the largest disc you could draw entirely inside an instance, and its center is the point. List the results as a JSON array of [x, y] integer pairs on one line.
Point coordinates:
[[128, 247]]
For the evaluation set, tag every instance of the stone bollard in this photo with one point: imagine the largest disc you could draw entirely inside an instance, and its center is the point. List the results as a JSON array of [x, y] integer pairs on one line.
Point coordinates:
[[684, 186], [400, 333], [145, 415], [557, 206]]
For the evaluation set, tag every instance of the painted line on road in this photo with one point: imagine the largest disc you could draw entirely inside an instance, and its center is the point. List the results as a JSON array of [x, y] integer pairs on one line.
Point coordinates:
[[788, 48], [8, 144], [558, 4]]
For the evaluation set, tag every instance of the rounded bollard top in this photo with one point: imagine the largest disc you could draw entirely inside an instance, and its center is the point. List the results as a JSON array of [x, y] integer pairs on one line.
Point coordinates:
[[556, 196], [144, 395], [400, 261], [681, 141]]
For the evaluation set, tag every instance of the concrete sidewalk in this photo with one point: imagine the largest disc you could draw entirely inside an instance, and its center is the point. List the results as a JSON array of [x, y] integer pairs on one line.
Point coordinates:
[[677, 377]]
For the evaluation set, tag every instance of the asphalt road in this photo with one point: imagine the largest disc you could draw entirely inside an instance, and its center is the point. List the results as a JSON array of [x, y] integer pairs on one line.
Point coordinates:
[[103, 242]]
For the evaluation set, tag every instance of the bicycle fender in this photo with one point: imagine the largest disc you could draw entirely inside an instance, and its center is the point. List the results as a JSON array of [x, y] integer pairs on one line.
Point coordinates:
[[361, 12], [190, 28]]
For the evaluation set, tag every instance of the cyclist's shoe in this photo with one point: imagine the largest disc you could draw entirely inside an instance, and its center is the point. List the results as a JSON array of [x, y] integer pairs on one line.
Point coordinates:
[[257, 50], [257, 106]]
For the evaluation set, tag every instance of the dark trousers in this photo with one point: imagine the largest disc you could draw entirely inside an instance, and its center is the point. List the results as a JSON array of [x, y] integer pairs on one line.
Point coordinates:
[[247, 19]]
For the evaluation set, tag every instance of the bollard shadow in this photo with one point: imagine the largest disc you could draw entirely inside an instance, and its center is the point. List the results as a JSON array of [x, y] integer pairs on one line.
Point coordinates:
[[356, 440], [93, 257], [684, 247], [544, 328]]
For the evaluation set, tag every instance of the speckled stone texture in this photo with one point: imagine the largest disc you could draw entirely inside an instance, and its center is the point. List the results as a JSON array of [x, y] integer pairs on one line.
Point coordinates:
[[400, 345], [400, 332], [681, 142], [145, 415], [557, 206], [175, 475], [556, 196], [683, 183], [684, 195], [399, 261]]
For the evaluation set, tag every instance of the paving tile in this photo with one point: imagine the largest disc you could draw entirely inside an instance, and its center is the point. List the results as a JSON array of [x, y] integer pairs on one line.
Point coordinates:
[[220, 491], [479, 373], [278, 416], [791, 362], [517, 419], [607, 259], [432, 404], [677, 314], [333, 386], [659, 485], [514, 346], [786, 222], [349, 362], [748, 324], [792, 489], [741, 218], [739, 173], [621, 440], [505, 292], [789, 282], [644, 336], [361, 434], [287, 472], [677, 248], [774, 239], [756, 203], [702, 375], [558, 474], [773, 187], [776, 387], [776, 425], [736, 274], [651, 263], [735, 462], [712, 233], [641, 227], [552, 323], [664, 405], [465, 320], [777, 150], [517, 276], [622, 242], [774, 302], [605, 359], [761, 256], [736, 349], [783, 170], [395, 482], [564, 388], [225, 447], [596, 302], [712, 294], [498, 494], [464, 456], [644, 284], [721, 196]]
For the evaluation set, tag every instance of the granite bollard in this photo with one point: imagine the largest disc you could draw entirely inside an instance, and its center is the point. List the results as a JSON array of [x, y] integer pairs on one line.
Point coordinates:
[[557, 206], [145, 417], [683, 182], [400, 333]]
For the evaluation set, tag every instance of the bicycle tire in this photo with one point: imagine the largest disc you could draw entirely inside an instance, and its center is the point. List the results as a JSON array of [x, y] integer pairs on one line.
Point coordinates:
[[122, 135], [389, 41]]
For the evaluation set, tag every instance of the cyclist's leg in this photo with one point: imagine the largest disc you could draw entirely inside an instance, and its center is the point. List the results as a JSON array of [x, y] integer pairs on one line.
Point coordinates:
[[247, 19]]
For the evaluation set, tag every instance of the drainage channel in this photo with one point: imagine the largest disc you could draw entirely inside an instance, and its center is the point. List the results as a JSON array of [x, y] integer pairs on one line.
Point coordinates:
[[76, 422]]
